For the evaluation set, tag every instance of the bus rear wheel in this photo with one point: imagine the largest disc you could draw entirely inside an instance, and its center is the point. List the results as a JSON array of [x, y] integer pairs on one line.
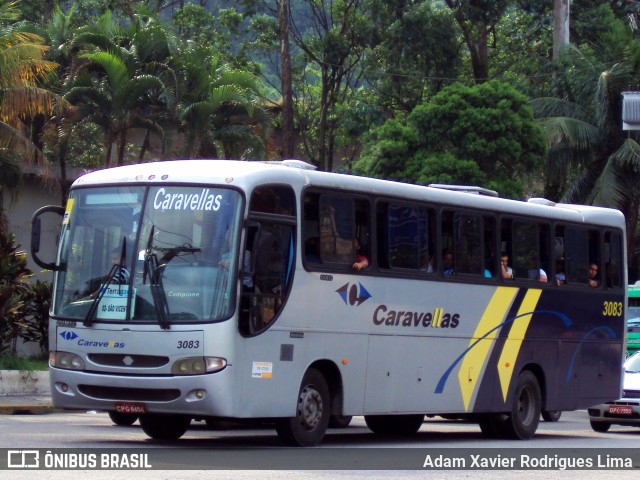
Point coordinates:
[[164, 426], [522, 421], [397, 425], [313, 410]]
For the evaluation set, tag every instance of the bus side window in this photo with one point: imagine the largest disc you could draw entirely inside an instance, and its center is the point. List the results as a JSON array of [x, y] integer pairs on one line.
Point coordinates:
[[613, 266], [468, 253], [526, 252], [332, 223], [407, 238]]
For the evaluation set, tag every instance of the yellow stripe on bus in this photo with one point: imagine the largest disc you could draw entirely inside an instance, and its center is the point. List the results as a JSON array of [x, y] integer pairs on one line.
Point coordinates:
[[486, 330], [516, 336]]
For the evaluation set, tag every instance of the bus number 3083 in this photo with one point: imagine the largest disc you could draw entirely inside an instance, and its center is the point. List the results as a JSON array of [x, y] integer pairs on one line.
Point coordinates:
[[612, 309], [188, 343]]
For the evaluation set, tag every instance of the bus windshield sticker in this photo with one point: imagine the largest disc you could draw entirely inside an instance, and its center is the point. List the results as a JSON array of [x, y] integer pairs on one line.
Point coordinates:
[[113, 304], [262, 370], [67, 212]]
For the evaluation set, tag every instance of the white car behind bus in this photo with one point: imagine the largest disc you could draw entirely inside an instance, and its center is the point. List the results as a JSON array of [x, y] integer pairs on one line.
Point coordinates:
[[626, 410]]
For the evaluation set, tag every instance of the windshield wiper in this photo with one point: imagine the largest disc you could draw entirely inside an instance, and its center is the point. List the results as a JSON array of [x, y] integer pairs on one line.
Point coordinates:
[[152, 271], [115, 268], [172, 252]]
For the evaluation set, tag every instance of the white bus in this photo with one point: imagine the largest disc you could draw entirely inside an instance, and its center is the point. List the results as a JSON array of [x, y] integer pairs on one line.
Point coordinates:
[[208, 289]]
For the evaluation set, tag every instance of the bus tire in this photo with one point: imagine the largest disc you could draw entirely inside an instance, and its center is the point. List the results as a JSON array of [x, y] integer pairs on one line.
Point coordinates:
[[492, 425], [523, 419], [164, 426], [313, 409], [123, 419], [551, 415], [339, 421], [396, 425]]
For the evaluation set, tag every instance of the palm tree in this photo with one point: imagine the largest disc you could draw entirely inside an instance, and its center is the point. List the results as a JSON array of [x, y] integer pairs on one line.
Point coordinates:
[[114, 99], [22, 66], [220, 110], [591, 160], [116, 84]]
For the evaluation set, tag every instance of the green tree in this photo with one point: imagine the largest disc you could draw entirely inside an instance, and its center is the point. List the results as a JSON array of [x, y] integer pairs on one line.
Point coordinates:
[[484, 134], [414, 53], [477, 20], [36, 314], [528, 69], [333, 42], [22, 67], [219, 109], [221, 29], [15, 292], [118, 85], [591, 159]]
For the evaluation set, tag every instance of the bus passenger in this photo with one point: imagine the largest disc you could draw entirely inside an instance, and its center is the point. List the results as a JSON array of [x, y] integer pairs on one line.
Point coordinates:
[[593, 275], [312, 250], [447, 262], [561, 278], [426, 262], [507, 271], [361, 259], [542, 276]]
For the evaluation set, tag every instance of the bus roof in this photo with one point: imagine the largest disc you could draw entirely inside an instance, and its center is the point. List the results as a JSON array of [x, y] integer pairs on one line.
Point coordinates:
[[247, 174]]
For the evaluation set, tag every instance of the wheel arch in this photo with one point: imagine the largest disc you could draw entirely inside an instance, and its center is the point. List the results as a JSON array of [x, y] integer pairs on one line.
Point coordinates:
[[538, 371], [332, 375]]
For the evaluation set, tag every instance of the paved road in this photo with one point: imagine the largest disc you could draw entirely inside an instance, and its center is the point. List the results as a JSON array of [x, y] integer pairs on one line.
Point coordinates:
[[94, 430]]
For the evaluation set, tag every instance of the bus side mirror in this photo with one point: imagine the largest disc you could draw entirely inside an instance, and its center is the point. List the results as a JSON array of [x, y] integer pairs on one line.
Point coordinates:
[[35, 235], [36, 230]]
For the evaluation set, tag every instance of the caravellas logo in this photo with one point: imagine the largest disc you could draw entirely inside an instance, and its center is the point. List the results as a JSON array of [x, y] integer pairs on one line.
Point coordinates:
[[353, 294], [69, 335]]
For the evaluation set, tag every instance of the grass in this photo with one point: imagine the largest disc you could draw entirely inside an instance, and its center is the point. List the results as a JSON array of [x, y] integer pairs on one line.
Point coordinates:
[[10, 362]]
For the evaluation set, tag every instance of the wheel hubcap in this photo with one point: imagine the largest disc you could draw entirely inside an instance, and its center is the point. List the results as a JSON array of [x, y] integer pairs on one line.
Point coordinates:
[[525, 403], [310, 408]]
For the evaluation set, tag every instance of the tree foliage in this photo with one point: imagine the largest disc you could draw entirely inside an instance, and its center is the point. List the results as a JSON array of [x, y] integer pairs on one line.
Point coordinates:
[[591, 159], [414, 53], [483, 134], [22, 67], [15, 292]]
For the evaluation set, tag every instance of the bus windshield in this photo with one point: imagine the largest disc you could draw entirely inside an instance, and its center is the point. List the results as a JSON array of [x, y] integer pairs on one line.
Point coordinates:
[[159, 254]]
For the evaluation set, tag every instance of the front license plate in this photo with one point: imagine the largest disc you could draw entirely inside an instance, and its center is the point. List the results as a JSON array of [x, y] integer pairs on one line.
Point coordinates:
[[620, 410], [130, 407]]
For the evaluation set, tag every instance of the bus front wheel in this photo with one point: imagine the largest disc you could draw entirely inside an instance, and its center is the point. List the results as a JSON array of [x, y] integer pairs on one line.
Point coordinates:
[[313, 410], [164, 426]]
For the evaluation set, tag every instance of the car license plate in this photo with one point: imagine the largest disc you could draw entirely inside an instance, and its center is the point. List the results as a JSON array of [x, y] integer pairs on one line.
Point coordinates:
[[620, 410], [130, 407]]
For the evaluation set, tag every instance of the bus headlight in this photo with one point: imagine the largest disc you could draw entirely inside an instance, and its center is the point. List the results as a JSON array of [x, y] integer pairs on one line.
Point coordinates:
[[198, 365], [66, 360]]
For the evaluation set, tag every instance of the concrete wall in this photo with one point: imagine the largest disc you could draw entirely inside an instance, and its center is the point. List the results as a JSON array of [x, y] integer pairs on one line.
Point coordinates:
[[22, 382], [32, 196]]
